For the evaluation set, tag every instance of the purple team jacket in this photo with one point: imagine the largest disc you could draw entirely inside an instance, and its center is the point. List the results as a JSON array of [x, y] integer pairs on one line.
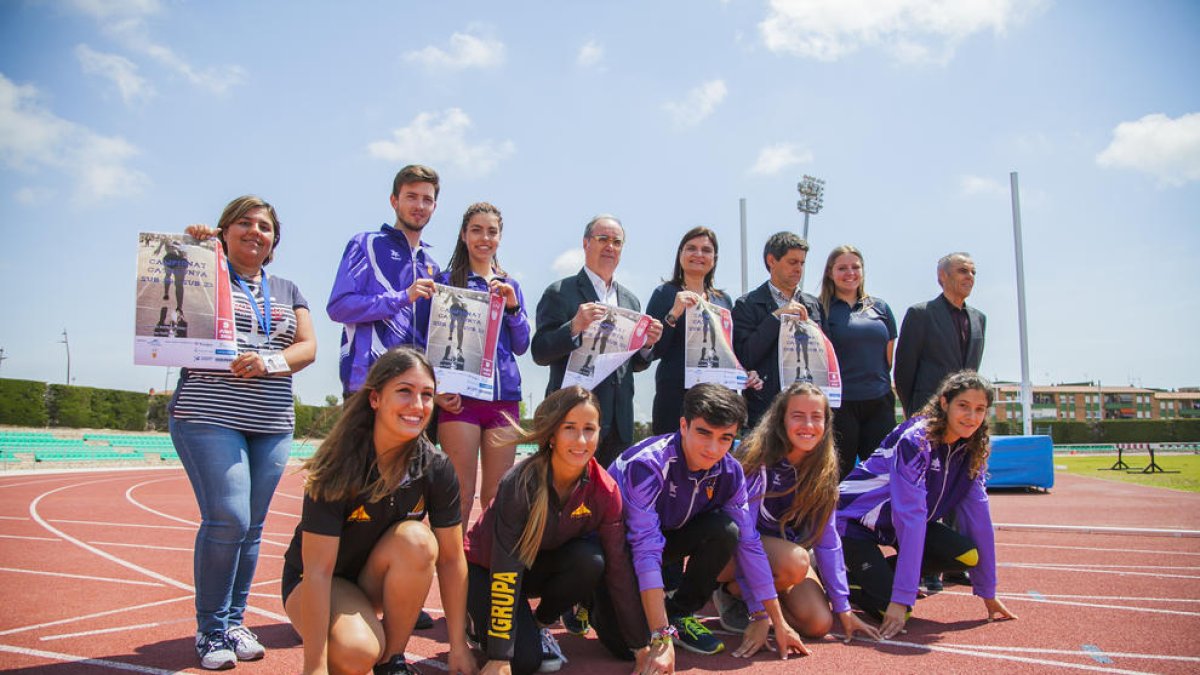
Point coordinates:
[[370, 299], [907, 483], [779, 478], [660, 494]]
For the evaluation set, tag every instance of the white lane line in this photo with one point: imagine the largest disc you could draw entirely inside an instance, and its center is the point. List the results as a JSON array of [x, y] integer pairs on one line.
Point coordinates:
[[107, 612], [299, 497], [129, 498], [283, 514], [76, 660], [1098, 529], [33, 512], [85, 577], [1076, 652], [1089, 605], [185, 549], [117, 629], [1068, 568], [1137, 598], [102, 523], [972, 651], [13, 518], [17, 536], [1165, 551], [1107, 566]]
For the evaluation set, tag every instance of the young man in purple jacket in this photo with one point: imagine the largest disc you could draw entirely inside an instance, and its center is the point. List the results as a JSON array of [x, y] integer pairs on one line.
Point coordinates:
[[685, 497], [381, 276]]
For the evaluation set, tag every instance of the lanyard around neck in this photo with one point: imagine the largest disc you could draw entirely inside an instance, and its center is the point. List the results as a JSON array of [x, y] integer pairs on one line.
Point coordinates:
[[264, 319]]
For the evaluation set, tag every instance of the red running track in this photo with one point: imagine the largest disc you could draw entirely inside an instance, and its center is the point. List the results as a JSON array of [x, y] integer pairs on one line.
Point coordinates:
[[95, 577]]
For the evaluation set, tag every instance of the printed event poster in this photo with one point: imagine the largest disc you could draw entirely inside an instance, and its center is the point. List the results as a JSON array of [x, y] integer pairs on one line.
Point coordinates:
[[184, 314], [464, 329], [606, 344], [708, 348], [806, 355]]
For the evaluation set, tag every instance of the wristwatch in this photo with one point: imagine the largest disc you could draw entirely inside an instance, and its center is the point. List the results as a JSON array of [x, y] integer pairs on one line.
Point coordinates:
[[670, 319]]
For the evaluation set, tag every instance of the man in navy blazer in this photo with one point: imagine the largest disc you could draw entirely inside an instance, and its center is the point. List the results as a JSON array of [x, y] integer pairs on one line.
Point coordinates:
[[756, 317], [939, 337], [569, 306]]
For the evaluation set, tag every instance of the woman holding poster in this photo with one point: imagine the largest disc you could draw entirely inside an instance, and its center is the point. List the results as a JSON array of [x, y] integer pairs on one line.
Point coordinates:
[[233, 428], [471, 430], [863, 332], [691, 282]]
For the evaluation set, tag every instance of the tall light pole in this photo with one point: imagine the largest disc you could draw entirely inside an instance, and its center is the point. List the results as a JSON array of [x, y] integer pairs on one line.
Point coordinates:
[[68, 344], [812, 193]]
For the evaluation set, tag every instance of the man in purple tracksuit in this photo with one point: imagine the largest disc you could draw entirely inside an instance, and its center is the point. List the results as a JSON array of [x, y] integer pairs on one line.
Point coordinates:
[[381, 276], [685, 496]]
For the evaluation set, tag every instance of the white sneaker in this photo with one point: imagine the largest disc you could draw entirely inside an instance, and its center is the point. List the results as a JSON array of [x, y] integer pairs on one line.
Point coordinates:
[[244, 643], [214, 651], [552, 656]]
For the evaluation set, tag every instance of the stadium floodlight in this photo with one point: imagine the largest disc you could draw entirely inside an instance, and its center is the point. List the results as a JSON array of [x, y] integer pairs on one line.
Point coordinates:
[[812, 198]]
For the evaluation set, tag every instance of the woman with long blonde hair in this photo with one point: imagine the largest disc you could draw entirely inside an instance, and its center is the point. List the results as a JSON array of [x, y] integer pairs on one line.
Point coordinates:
[[791, 482]]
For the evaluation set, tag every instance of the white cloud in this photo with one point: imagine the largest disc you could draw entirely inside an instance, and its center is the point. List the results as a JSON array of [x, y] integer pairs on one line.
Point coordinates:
[[32, 138], [440, 139], [911, 30], [970, 186], [590, 54], [125, 21], [33, 196], [699, 103], [568, 262], [465, 51], [119, 69], [1168, 149], [775, 158]]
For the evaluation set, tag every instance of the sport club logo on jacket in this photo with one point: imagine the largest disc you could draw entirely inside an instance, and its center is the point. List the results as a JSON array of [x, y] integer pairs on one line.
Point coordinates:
[[503, 598], [359, 515], [582, 512], [418, 511]]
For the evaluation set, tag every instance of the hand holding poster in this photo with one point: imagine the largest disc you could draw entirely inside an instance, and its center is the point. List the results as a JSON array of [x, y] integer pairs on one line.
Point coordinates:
[[708, 350], [464, 329], [184, 313], [806, 355], [605, 345]]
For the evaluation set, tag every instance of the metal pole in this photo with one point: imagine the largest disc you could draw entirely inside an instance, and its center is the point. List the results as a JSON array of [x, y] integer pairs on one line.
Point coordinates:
[[66, 342], [745, 270], [1026, 386], [805, 235]]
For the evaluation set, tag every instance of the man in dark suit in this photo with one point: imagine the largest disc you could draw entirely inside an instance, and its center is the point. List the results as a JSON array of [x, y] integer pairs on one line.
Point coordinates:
[[569, 306], [939, 337], [756, 317]]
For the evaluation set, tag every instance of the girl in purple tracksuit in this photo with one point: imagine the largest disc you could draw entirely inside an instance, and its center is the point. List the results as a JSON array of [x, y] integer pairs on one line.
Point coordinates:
[[929, 466], [469, 430], [791, 482]]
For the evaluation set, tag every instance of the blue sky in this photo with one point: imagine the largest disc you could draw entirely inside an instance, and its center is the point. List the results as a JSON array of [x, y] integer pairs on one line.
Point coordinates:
[[118, 116]]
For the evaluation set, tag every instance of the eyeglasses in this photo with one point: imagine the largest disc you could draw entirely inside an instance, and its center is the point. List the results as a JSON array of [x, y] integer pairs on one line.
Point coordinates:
[[605, 240]]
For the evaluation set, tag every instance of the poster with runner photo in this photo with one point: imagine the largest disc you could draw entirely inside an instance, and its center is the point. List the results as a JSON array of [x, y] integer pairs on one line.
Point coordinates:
[[708, 348], [184, 310], [806, 355], [464, 329], [605, 345]]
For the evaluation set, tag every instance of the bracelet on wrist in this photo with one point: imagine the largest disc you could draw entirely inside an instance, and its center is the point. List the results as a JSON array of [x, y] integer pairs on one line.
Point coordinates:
[[760, 615], [663, 635]]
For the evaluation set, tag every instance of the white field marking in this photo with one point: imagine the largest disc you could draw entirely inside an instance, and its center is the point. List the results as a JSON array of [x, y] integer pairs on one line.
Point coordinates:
[[102, 523], [266, 582], [1089, 605], [75, 659], [95, 470], [187, 549], [1056, 568], [96, 615], [117, 629], [1137, 598], [129, 498], [86, 577], [1113, 550], [12, 518], [1002, 657], [17, 536], [124, 563], [1098, 529], [1076, 652], [1114, 567], [299, 497], [284, 514]]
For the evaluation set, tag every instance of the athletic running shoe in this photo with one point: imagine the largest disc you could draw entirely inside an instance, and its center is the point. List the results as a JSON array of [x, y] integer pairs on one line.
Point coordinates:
[[395, 666], [956, 578], [576, 621], [424, 621], [552, 656], [245, 643], [932, 583], [695, 636], [215, 651], [734, 615]]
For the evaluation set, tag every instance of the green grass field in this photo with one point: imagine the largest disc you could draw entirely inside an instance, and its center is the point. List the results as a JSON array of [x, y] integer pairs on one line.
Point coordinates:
[[1187, 479]]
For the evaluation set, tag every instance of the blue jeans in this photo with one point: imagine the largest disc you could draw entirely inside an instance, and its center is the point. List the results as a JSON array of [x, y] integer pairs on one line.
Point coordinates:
[[234, 475]]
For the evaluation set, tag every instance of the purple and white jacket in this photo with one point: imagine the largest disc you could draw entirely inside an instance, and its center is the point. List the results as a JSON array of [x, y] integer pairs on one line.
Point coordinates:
[[370, 299], [660, 494], [770, 493], [907, 483]]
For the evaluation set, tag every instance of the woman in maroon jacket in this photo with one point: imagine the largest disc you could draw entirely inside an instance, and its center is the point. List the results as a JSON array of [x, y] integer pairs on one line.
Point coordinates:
[[554, 531]]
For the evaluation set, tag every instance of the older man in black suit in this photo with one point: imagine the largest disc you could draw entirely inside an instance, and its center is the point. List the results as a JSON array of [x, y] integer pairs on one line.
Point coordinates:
[[939, 337], [569, 306]]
